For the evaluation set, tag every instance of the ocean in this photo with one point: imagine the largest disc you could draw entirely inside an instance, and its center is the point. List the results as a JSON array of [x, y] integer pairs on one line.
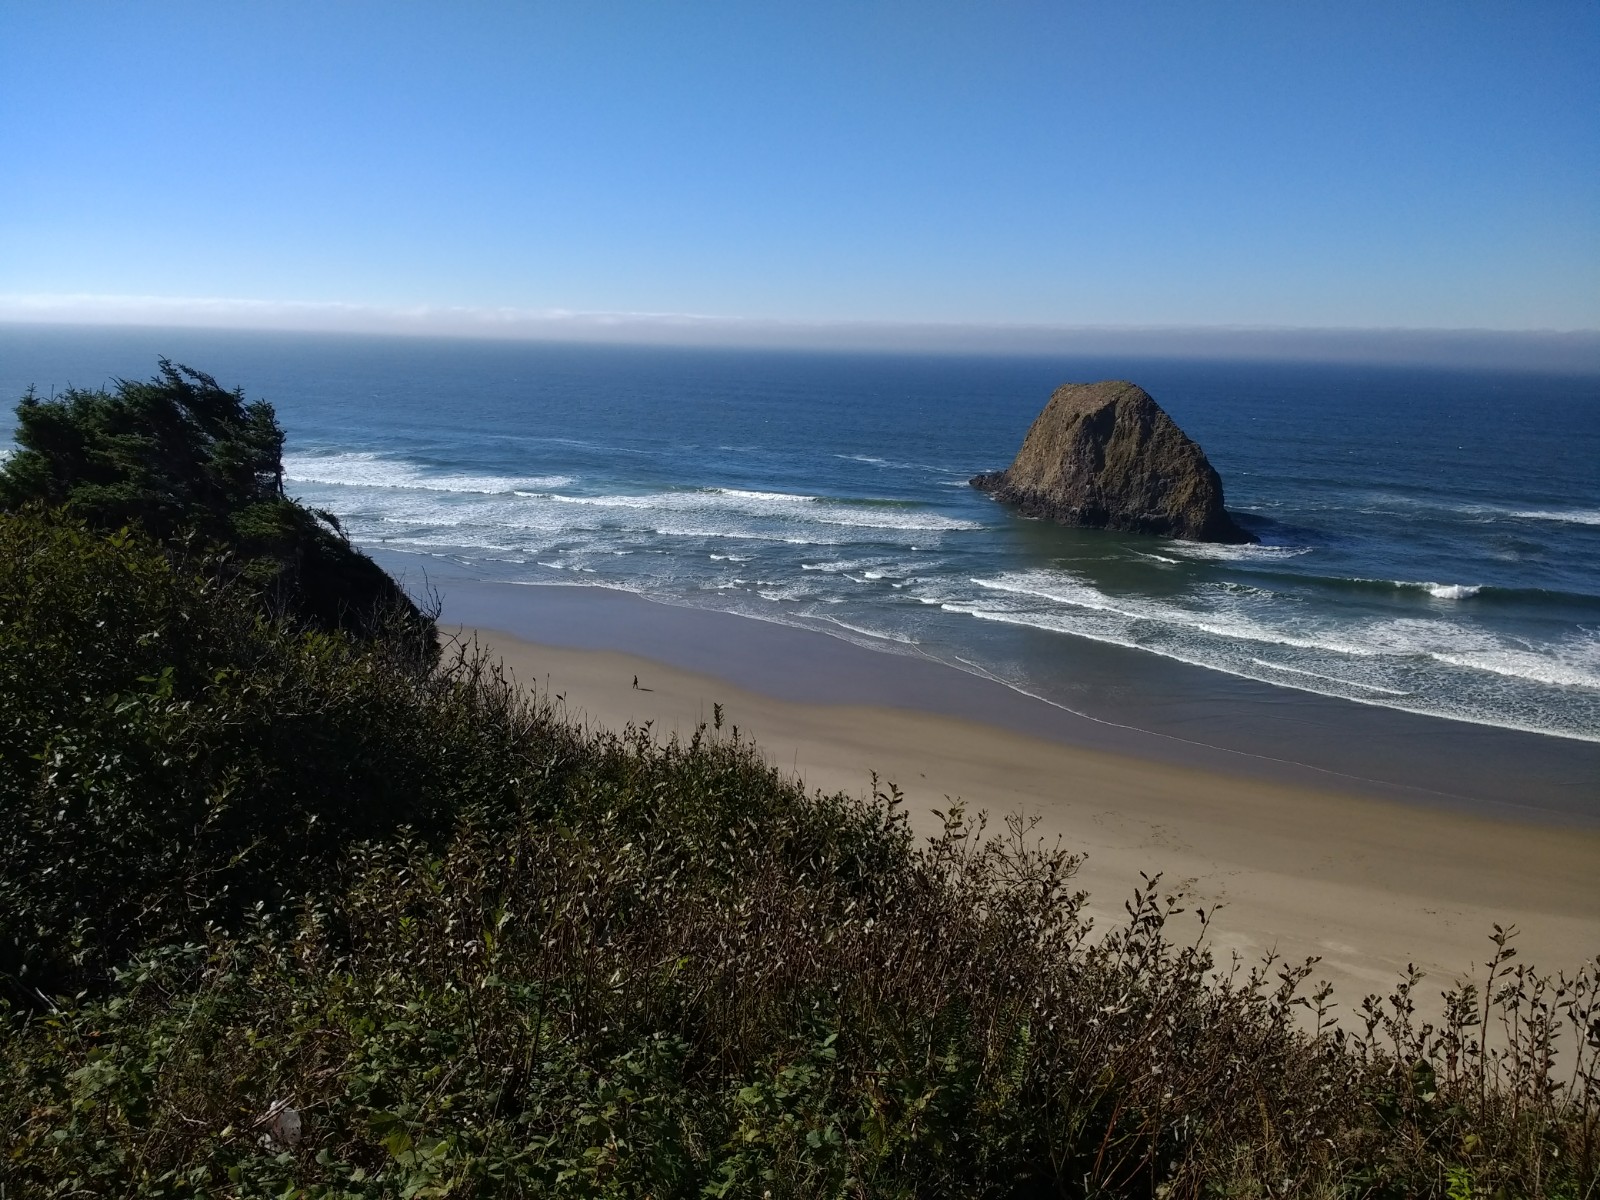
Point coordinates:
[[1430, 539]]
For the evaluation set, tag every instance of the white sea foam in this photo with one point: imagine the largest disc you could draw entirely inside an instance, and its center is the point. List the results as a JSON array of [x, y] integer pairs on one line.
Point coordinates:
[[1241, 589], [780, 506], [1237, 553], [1569, 516], [1229, 624], [1355, 683], [1490, 512], [742, 494], [1451, 591], [1440, 591], [561, 566], [702, 514], [879, 634], [1430, 664], [452, 543], [1063, 589], [839, 566], [887, 463], [364, 470], [1436, 697], [1570, 664], [1485, 512], [1151, 624]]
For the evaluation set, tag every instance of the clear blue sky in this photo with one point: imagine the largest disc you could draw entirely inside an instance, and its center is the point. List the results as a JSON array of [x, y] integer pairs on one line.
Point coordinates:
[[1329, 164]]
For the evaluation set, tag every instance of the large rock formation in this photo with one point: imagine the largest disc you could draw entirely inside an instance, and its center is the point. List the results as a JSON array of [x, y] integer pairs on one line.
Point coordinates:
[[1105, 456]]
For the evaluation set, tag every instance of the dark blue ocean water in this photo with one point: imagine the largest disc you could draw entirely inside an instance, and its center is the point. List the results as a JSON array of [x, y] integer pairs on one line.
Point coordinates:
[[1430, 539]]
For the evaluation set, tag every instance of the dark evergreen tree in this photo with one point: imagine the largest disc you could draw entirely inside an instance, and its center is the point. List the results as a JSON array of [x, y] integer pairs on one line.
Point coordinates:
[[183, 458]]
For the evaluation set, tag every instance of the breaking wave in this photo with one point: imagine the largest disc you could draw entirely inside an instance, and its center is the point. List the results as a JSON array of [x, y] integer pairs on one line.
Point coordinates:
[[365, 470], [1571, 517], [866, 513], [1222, 552], [1429, 664]]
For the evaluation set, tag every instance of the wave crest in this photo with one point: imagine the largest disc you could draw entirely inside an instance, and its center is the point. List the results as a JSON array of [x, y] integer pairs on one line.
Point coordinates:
[[365, 470]]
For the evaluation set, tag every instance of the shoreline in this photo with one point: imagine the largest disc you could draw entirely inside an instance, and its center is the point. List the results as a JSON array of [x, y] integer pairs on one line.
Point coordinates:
[[1298, 863], [1141, 705], [1367, 885]]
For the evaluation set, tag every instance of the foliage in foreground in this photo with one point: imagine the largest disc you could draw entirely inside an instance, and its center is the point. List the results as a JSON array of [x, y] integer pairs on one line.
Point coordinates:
[[179, 457], [169, 756], [597, 965]]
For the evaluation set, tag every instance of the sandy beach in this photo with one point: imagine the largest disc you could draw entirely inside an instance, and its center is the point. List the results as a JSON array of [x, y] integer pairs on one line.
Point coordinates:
[[1366, 884]]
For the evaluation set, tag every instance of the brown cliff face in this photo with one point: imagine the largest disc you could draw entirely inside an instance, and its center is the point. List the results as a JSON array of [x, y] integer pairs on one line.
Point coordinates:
[[1105, 456]]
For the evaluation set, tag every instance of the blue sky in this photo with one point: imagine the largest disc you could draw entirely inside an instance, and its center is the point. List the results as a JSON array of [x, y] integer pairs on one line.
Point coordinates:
[[1319, 165]]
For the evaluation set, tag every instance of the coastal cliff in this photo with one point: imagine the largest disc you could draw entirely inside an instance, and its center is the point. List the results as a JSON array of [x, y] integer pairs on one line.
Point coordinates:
[[1106, 456]]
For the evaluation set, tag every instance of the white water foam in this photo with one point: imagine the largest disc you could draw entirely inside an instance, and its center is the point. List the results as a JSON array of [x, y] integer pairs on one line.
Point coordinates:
[[1491, 512], [878, 634], [1383, 646], [1073, 592], [446, 546], [1448, 591], [380, 491], [1442, 703], [1247, 552], [1570, 516], [367, 470], [780, 506], [890, 464], [840, 566], [1574, 665], [1355, 683], [1439, 591]]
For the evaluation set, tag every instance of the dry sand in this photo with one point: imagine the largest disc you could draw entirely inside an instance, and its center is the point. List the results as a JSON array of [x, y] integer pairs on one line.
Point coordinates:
[[1367, 885]]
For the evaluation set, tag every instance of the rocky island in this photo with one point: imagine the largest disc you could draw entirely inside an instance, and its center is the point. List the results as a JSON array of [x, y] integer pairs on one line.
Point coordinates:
[[1105, 456]]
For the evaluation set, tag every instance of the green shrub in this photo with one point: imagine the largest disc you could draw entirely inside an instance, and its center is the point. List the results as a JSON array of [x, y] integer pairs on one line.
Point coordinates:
[[169, 755], [181, 458], [249, 871]]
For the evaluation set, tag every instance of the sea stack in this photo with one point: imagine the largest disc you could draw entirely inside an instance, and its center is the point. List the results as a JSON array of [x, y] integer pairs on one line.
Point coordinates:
[[1105, 456]]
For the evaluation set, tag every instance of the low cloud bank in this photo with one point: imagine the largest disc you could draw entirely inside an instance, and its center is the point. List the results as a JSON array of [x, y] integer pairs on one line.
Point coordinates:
[[1574, 350]]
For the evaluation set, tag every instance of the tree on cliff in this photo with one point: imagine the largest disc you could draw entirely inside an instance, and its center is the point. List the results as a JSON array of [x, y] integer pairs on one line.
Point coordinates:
[[184, 458]]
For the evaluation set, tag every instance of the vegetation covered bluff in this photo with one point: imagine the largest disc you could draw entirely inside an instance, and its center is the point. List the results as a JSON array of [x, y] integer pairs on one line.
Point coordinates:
[[194, 465], [287, 910]]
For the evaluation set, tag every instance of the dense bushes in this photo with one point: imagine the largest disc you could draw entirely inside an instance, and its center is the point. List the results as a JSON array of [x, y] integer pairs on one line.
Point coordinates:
[[184, 460], [169, 755], [387, 932]]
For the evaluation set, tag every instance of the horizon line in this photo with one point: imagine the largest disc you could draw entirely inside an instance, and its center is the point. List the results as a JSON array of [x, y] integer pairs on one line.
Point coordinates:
[[1558, 349]]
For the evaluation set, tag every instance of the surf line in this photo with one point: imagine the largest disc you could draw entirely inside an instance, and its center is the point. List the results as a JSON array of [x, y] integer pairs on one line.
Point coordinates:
[[1371, 687]]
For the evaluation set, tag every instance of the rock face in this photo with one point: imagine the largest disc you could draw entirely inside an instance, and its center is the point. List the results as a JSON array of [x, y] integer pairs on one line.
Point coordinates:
[[1105, 456]]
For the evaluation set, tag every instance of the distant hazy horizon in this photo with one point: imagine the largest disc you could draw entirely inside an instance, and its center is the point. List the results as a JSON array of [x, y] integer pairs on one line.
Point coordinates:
[[1570, 351]]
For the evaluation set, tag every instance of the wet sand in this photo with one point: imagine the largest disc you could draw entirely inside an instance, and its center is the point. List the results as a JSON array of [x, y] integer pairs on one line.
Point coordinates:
[[1139, 705], [1366, 873]]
